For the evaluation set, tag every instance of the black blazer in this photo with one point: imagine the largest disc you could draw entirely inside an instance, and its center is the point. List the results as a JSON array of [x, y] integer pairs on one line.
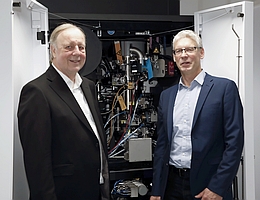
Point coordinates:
[[61, 151]]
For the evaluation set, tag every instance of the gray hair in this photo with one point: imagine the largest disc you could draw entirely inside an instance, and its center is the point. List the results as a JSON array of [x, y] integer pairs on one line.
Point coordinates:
[[187, 34], [57, 31]]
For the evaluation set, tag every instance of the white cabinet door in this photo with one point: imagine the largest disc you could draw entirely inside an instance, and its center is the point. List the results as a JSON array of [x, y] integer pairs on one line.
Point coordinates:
[[227, 35]]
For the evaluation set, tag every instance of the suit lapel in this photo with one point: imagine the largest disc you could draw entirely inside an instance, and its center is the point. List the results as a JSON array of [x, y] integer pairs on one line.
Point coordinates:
[[89, 97], [171, 102], [206, 87], [62, 90], [88, 92]]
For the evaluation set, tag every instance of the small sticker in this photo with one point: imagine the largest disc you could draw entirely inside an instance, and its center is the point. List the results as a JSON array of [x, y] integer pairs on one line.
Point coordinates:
[[110, 32]]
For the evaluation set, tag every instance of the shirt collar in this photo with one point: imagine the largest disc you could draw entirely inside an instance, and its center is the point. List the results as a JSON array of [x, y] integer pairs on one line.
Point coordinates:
[[199, 79], [70, 83]]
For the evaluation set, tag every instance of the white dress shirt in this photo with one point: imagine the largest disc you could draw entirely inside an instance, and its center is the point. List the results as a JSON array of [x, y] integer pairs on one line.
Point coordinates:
[[79, 96]]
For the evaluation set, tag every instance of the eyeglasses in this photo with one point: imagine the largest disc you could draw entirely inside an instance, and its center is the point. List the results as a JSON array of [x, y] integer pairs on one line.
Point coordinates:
[[187, 50]]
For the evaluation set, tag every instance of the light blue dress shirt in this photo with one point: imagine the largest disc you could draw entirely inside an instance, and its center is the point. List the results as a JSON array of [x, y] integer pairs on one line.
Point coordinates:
[[183, 112]]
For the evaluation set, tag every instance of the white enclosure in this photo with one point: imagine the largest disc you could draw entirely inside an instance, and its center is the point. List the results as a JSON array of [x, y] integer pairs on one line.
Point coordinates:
[[30, 59], [227, 34], [24, 57]]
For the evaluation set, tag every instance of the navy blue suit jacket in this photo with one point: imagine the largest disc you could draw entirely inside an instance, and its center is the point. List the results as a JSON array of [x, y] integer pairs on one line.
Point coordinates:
[[217, 138]]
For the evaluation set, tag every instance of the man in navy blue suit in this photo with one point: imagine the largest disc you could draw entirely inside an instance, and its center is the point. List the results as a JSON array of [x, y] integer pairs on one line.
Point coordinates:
[[200, 130]]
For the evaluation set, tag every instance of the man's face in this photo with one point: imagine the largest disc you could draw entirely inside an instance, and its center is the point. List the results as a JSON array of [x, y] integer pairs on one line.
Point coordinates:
[[188, 62], [69, 54]]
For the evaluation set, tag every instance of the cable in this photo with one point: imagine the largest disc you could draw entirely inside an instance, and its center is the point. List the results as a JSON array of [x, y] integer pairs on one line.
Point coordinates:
[[170, 31], [121, 188], [129, 120], [123, 140], [75, 22], [174, 30], [216, 17], [137, 102], [124, 112], [112, 156], [112, 110]]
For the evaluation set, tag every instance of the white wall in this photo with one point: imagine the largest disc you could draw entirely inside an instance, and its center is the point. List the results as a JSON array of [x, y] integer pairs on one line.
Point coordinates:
[[256, 53], [6, 105], [188, 7]]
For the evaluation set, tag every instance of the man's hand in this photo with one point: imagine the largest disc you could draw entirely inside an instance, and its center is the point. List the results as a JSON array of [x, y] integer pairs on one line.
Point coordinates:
[[155, 198], [206, 194]]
